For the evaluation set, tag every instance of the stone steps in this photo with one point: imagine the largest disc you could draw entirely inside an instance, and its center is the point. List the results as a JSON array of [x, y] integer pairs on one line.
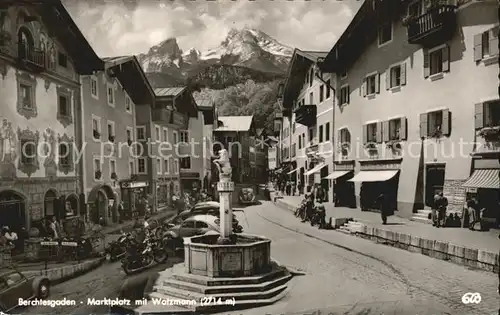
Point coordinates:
[[211, 290], [231, 296], [352, 227], [422, 216]]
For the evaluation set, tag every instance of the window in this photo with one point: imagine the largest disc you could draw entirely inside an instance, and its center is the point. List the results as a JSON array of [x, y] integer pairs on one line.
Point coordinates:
[[300, 142], [64, 108], [435, 123], [311, 75], [158, 166], [175, 137], [394, 76], [311, 135], [111, 131], [112, 169], [97, 169], [176, 166], [415, 9], [188, 225], [311, 98], [128, 105], [62, 60], [165, 135], [488, 114], [184, 136], [436, 59], [141, 165], [345, 136], [321, 133], [384, 33], [166, 164], [321, 89], [141, 133], [201, 225], [93, 88], [395, 129], [371, 130], [28, 152], [327, 131], [293, 127], [111, 95], [64, 154], [186, 162], [303, 140], [371, 85], [96, 127], [486, 44], [344, 95], [26, 96], [130, 137], [157, 134], [328, 89], [131, 167]]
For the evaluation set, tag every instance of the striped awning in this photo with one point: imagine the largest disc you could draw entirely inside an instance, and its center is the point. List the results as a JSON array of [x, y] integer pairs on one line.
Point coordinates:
[[486, 178], [316, 169], [336, 174], [374, 176]]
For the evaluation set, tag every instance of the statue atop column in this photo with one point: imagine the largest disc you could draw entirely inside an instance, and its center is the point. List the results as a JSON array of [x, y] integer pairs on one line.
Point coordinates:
[[223, 164]]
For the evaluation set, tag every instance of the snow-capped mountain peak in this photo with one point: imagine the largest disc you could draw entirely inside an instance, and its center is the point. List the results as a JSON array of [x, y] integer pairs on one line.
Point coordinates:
[[246, 47]]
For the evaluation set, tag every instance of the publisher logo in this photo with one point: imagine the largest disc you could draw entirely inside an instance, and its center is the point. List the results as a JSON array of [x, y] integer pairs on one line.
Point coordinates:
[[471, 298]]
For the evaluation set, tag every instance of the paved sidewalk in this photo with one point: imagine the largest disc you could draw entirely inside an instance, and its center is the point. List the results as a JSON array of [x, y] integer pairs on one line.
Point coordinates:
[[471, 239]]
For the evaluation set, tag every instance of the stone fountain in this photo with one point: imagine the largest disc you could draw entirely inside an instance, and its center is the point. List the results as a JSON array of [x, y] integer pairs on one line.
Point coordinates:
[[221, 271]]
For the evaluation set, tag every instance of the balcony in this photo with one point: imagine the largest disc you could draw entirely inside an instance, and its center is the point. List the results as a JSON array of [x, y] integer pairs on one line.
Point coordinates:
[[312, 149], [180, 120], [437, 25], [306, 115], [32, 59], [170, 117]]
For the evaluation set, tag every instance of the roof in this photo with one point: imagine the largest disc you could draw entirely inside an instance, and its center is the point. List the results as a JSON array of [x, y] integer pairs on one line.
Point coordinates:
[[235, 123], [169, 91], [297, 70], [129, 85], [204, 103], [58, 20]]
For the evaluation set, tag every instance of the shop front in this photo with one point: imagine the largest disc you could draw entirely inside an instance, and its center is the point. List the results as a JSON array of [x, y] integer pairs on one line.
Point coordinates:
[[133, 192], [315, 167], [162, 193], [190, 182], [378, 177], [484, 185], [13, 210], [101, 202], [344, 194]]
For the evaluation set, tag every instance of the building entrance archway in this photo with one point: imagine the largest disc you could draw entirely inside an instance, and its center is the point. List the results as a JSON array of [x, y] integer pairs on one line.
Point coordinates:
[[12, 210]]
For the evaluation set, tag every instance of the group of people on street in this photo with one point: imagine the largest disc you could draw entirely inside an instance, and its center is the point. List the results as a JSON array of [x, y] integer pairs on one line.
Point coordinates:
[[309, 209]]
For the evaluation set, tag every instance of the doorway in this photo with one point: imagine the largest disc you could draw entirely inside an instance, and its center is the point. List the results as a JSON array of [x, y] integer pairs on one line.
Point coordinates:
[[324, 182], [434, 182], [12, 207], [49, 204], [101, 204], [344, 191]]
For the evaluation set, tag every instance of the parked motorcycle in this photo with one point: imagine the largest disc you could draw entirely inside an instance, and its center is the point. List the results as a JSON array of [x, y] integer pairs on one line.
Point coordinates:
[[142, 255], [318, 217], [117, 249]]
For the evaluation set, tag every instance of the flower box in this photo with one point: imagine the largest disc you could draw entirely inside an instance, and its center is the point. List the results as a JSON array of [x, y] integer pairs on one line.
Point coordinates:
[[97, 174], [96, 134], [111, 138], [114, 176], [490, 133]]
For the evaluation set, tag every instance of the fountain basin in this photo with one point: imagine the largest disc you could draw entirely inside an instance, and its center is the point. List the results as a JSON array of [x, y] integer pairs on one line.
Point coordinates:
[[248, 255]]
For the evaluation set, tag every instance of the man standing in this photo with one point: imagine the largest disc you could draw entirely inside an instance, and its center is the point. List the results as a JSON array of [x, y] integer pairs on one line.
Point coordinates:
[[442, 204], [383, 205], [434, 209]]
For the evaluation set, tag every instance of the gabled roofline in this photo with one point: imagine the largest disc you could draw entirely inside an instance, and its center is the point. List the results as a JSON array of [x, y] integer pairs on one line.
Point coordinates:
[[133, 59]]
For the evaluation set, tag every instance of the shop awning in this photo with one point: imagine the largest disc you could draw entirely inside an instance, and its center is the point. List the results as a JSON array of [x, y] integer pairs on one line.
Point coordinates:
[[373, 176], [483, 179], [316, 169], [292, 171], [336, 174]]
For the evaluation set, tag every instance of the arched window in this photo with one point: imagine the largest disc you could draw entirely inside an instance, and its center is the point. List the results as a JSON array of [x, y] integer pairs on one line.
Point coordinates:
[[50, 203], [25, 42], [71, 205]]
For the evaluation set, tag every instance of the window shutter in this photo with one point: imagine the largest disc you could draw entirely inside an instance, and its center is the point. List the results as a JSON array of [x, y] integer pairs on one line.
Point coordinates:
[[423, 125], [377, 84], [388, 79], [479, 115], [363, 88], [478, 47], [427, 67], [365, 133], [494, 41], [403, 73], [402, 129], [446, 122], [385, 130], [348, 94], [446, 58], [379, 132]]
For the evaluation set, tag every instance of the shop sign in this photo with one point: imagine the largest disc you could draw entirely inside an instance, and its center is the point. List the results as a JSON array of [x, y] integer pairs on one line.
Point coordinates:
[[344, 167], [472, 190], [135, 184], [384, 166], [190, 175]]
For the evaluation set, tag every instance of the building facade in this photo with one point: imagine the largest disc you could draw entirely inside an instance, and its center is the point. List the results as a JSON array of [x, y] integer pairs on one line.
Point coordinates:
[[40, 65], [308, 95], [108, 126], [169, 124], [192, 161], [417, 103], [207, 108]]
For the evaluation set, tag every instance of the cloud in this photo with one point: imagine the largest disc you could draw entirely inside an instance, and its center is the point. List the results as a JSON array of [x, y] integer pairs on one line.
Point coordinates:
[[133, 26]]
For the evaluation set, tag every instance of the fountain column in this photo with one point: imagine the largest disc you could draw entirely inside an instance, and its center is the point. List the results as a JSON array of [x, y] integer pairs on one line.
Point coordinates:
[[225, 188]]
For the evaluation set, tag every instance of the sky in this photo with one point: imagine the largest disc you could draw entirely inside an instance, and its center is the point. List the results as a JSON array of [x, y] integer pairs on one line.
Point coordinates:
[[124, 27]]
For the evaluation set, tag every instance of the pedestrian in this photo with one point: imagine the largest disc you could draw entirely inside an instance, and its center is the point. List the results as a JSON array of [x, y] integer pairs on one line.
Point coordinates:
[[120, 210], [55, 229], [474, 213], [442, 205], [383, 206], [434, 209]]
